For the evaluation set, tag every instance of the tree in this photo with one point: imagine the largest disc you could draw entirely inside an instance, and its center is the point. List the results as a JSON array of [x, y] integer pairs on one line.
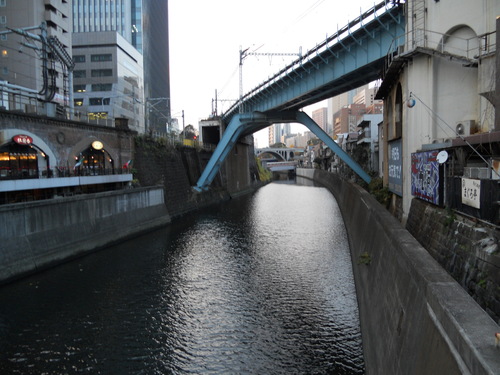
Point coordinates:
[[189, 132], [278, 145]]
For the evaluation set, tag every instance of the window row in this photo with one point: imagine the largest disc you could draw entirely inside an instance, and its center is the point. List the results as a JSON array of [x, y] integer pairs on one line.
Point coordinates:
[[93, 73], [92, 101], [94, 87], [93, 58]]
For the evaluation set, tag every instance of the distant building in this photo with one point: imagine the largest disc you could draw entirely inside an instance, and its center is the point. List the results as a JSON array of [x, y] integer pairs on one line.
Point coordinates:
[[320, 117], [347, 118], [108, 79], [368, 140], [271, 134], [366, 95]]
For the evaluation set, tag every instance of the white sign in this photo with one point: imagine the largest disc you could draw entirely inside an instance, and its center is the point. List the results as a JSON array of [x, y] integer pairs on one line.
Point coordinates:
[[471, 190]]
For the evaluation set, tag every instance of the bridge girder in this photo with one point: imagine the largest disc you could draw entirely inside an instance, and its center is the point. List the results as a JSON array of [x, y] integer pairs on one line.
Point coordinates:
[[350, 58], [248, 123]]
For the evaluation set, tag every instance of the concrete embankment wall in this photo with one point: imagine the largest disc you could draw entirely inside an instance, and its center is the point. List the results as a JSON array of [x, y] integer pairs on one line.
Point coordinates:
[[415, 318], [36, 235]]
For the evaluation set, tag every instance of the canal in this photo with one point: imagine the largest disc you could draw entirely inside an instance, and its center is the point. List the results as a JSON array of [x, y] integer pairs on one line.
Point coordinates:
[[261, 284]]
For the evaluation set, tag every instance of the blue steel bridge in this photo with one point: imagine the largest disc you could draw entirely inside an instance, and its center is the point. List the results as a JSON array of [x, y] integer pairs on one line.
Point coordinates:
[[350, 58]]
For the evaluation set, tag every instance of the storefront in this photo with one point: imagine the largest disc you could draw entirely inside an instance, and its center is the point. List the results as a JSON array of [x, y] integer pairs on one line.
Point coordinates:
[[94, 160], [20, 158]]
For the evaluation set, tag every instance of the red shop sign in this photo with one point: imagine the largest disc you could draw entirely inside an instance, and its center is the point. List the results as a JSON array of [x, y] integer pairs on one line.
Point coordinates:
[[22, 139]]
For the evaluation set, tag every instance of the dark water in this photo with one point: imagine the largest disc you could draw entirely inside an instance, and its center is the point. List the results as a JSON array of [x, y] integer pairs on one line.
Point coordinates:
[[260, 285]]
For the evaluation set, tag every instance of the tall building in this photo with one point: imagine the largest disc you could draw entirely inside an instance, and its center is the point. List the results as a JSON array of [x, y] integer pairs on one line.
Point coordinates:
[[108, 79], [122, 16], [346, 119], [271, 134], [320, 117], [156, 64], [366, 95], [143, 24], [37, 61]]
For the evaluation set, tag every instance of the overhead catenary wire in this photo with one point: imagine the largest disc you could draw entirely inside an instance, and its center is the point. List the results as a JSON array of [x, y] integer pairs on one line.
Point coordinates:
[[412, 95], [284, 31]]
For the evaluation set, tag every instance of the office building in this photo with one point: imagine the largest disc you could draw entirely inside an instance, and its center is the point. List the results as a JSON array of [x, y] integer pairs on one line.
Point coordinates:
[[22, 64], [143, 24], [108, 80], [320, 117]]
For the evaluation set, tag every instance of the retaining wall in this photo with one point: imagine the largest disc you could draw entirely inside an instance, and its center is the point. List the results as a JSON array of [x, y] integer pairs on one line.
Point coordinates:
[[415, 318], [39, 234]]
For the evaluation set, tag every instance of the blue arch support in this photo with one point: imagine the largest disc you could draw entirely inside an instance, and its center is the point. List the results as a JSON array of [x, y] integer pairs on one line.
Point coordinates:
[[248, 123]]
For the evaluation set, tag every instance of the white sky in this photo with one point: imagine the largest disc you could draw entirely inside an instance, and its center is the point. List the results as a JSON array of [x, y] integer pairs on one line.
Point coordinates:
[[206, 36]]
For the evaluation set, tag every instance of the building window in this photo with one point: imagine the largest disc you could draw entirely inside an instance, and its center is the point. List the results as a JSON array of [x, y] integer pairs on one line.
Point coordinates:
[[3, 3], [79, 58], [95, 101], [79, 88], [103, 57], [99, 101], [3, 19], [102, 87], [79, 73], [101, 72], [78, 102], [5, 70]]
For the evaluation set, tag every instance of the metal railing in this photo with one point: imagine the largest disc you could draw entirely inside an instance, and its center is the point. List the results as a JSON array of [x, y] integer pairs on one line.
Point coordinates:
[[468, 48], [58, 172], [471, 49]]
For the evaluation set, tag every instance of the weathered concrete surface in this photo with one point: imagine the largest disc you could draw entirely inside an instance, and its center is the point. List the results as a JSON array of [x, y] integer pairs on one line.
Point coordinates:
[[466, 248], [39, 234], [415, 319]]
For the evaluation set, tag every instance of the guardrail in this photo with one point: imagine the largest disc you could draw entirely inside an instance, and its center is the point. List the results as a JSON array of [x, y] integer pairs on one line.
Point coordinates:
[[59, 172]]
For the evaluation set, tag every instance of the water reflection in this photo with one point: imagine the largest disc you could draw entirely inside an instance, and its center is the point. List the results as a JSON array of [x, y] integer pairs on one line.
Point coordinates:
[[262, 284]]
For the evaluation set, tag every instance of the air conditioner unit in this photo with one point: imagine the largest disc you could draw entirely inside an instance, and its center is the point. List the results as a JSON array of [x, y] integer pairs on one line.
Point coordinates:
[[466, 128]]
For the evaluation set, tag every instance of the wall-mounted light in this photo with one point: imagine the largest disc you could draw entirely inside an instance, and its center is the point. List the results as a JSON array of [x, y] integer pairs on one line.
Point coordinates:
[[97, 145]]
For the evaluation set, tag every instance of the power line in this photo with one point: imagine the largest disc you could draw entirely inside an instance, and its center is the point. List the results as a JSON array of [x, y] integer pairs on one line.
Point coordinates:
[[455, 132]]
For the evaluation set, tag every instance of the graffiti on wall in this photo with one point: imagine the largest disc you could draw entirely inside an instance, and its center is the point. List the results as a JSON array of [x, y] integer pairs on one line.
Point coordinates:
[[425, 176]]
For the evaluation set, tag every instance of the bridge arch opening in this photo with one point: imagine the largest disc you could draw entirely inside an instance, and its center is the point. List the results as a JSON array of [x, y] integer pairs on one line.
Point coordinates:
[[248, 123], [263, 155]]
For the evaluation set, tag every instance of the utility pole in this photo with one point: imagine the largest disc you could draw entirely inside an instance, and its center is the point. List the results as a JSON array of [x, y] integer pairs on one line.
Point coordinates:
[[214, 103], [183, 133], [245, 53]]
